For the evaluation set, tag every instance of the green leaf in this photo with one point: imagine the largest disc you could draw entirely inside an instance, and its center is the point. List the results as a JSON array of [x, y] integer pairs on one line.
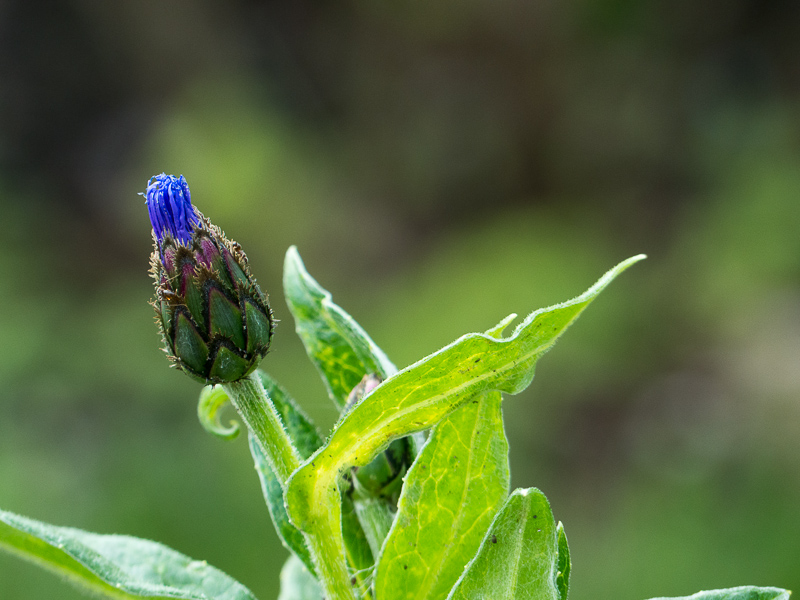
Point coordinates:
[[356, 545], [297, 583], [747, 592], [375, 517], [518, 558], [343, 354], [450, 496], [422, 394], [212, 399], [340, 349], [116, 566], [564, 563]]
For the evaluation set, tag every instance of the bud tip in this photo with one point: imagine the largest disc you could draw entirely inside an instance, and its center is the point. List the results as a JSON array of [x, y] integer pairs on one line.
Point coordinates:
[[169, 204]]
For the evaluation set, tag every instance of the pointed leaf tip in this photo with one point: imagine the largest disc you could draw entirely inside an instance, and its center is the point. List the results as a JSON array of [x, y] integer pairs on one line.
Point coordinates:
[[518, 557], [745, 592], [423, 393]]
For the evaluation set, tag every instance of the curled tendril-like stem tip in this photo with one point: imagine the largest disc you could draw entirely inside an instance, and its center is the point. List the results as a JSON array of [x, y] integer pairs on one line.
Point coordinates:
[[212, 399]]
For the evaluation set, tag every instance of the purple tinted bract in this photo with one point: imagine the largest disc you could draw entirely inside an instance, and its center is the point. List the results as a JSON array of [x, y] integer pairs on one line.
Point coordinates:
[[170, 206]]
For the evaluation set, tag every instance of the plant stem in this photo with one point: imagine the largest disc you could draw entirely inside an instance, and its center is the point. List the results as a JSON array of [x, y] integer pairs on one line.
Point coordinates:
[[258, 412], [327, 550], [255, 408]]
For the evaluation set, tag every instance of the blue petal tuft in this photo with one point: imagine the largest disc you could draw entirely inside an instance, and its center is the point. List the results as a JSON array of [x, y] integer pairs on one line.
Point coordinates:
[[170, 206]]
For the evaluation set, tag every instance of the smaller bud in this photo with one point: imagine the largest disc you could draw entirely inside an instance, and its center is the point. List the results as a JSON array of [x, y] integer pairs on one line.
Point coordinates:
[[363, 388], [383, 477], [215, 321]]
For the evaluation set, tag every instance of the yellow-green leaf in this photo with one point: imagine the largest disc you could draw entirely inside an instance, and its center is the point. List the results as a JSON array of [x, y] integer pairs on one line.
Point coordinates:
[[450, 496], [338, 346], [422, 394]]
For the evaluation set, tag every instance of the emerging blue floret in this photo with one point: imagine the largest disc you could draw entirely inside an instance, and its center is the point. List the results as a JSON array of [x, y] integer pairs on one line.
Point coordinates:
[[170, 206]]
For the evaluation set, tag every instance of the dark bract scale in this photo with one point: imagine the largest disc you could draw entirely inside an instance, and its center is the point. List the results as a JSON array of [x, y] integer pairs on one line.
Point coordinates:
[[215, 321]]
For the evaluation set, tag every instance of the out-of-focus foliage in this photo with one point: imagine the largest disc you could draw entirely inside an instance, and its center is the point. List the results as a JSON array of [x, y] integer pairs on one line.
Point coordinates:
[[116, 567], [465, 159]]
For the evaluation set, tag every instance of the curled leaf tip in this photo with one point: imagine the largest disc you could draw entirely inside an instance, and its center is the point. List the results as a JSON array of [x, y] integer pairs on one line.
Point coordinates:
[[637, 258], [212, 399]]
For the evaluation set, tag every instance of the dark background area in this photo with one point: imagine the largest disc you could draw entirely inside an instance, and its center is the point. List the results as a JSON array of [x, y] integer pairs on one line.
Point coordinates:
[[439, 165]]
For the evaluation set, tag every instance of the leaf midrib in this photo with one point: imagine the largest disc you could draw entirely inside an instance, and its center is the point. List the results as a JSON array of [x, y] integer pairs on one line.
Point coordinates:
[[334, 467], [373, 431], [518, 549]]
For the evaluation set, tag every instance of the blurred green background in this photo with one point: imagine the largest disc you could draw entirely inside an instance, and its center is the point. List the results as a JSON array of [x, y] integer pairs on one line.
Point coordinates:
[[439, 165]]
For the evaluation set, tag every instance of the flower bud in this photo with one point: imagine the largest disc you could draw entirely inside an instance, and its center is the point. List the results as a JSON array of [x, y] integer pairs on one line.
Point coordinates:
[[383, 477], [215, 321]]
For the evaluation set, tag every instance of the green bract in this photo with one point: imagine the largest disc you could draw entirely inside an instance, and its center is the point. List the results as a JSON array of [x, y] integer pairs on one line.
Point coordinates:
[[214, 319], [406, 499]]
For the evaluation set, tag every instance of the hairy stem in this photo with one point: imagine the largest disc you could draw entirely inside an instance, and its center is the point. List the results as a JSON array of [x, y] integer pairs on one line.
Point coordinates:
[[327, 550], [255, 408], [258, 412]]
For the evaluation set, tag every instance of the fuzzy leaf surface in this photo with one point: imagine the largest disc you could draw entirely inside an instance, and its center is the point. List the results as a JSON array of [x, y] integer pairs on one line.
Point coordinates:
[[422, 394], [116, 566], [746, 592], [450, 496], [338, 346], [518, 558], [343, 353]]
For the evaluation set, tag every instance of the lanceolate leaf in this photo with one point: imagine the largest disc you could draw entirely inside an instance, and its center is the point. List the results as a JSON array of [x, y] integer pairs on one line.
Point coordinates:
[[450, 496], [747, 592], [564, 563], [116, 566], [343, 354], [518, 558], [421, 395], [337, 345], [356, 545]]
